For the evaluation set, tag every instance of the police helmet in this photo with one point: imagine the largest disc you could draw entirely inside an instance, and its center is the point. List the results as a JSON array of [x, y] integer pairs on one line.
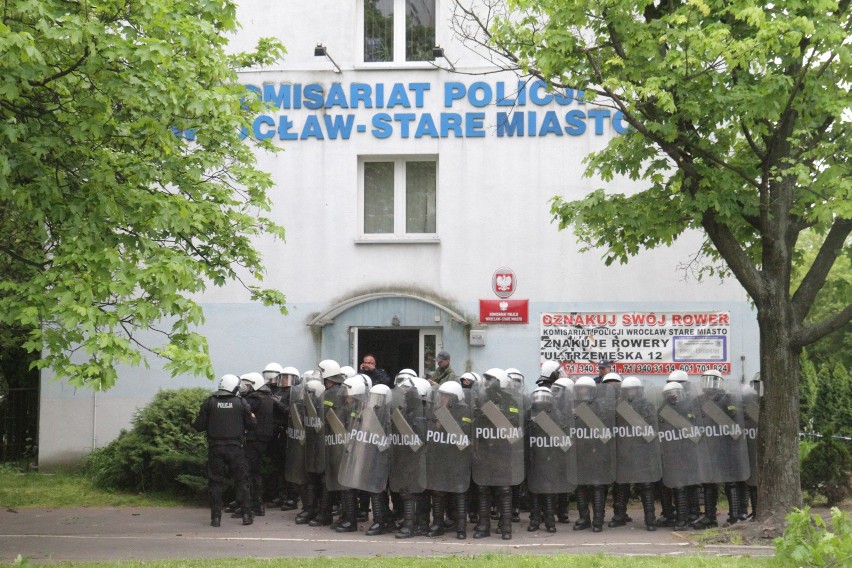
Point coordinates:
[[515, 375], [403, 380], [368, 382], [452, 388], [330, 370], [550, 370], [355, 386], [467, 380], [348, 371], [422, 385], [562, 384], [407, 371], [542, 398], [271, 372], [611, 378], [229, 383], [380, 395], [678, 376], [712, 379], [584, 388], [315, 386], [674, 392], [495, 377], [631, 383], [289, 377]]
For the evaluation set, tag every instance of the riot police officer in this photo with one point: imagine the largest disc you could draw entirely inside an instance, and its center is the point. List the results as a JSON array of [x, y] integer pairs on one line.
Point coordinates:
[[225, 417]]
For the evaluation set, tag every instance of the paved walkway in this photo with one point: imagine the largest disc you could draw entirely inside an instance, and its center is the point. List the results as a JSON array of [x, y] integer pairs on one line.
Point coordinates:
[[104, 534]]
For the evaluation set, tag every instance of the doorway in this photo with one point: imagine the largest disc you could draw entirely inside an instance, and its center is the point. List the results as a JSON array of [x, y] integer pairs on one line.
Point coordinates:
[[397, 348]]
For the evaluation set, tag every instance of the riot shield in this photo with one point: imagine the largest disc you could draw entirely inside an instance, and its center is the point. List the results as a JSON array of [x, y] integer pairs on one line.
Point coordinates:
[[314, 422], [680, 431], [551, 457], [498, 436], [338, 412], [408, 439], [594, 420], [366, 459], [637, 443], [294, 457], [751, 415], [449, 448], [724, 439]]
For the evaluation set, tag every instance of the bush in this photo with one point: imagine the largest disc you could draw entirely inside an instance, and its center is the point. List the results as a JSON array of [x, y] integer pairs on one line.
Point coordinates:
[[826, 470], [810, 541], [161, 452]]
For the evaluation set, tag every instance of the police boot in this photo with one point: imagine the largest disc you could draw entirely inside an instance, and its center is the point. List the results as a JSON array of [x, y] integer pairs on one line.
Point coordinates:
[[647, 492], [258, 509], [291, 497], [549, 512], [363, 511], [692, 495], [439, 501], [472, 500], [667, 516], [215, 518], [732, 493], [619, 505], [323, 515], [348, 516], [506, 512], [711, 496], [381, 515], [752, 492], [584, 521], [742, 488], [450, 512], [535, 513], [248, 518], [309, 504], [421, 515], [516, 503], [406, 530], [598, 507], [562, 508], [461, 515], [483, 527], [232, 507], [681, 502]]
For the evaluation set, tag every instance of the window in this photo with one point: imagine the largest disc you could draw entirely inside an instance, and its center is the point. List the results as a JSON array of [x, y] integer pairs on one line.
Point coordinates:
[[398, 30], [399, 198]]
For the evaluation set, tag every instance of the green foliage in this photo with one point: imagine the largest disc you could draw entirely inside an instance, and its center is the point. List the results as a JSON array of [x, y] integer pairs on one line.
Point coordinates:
[[126, 188], [161, 452], [827, 470], [810, 541]]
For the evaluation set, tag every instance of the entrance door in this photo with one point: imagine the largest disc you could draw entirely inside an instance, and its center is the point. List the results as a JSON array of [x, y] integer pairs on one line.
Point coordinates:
[[398, 348]]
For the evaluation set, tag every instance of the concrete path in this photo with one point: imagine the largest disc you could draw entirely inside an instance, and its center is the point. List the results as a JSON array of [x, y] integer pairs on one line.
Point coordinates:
[[104, 534]]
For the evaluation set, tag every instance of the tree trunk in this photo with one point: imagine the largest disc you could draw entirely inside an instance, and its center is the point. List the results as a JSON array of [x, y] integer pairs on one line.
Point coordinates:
[[779, 489]]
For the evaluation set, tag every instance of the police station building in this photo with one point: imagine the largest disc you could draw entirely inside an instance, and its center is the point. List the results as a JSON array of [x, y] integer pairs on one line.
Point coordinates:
[[414, 187]]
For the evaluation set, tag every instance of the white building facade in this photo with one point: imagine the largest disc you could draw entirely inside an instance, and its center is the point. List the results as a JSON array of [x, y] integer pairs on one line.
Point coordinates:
[[411, 193]]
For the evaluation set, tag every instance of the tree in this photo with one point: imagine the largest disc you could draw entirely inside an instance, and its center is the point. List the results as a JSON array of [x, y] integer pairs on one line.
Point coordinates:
[[739, 127], [125, 183]]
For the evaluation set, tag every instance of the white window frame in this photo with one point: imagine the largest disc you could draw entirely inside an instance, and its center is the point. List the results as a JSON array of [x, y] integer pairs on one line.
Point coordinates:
[[398, 44], [399, 202]]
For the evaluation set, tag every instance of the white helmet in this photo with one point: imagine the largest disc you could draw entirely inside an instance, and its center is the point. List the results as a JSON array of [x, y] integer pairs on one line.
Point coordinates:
[[289, 377], [678, 376], [469, 377], [673, 391], [254, 379], [453, 388], [585, 388], [355, 386], [407, 371], [495, 374], [229, 383], [631, 383], [329, 369], [562, 383], [712, 379], [611, 378], [550, 370], [348, 371], [423, 387], [272, 371], [368, 382], [515, 374], [542, 398], [311, 375], [380, 395], [315, 386]]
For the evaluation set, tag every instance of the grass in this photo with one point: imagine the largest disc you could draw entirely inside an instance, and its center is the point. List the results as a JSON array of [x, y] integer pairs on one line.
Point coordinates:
[[68, 489], [481, 561]]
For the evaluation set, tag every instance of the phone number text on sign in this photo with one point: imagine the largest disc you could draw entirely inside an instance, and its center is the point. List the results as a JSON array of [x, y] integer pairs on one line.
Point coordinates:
[[649, 343]]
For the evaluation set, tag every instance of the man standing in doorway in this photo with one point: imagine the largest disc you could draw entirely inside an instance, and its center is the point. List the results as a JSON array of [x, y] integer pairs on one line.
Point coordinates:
[[444, 372], [378, 376]]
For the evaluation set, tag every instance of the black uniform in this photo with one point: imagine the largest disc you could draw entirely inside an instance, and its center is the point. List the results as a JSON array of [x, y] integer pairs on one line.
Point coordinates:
[[225, 417], [268, 409]]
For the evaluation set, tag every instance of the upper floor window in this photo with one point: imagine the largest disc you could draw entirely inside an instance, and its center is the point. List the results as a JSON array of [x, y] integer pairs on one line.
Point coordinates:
[[399, 30], [399, 197]]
